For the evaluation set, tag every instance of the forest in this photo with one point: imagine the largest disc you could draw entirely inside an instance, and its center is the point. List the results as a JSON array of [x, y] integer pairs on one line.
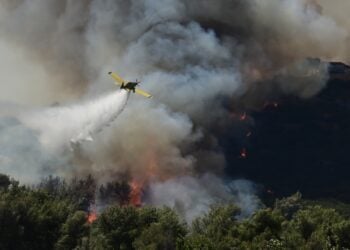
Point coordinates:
[[57, 215]]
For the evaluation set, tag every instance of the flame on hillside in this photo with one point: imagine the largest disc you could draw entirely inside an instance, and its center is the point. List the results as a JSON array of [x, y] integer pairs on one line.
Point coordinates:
[[136, 193], [243, 153], [92, 214], [140, 180]]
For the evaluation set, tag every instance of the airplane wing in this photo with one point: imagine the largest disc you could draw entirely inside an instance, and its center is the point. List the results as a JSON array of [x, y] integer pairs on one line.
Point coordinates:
[[143, 93], [120, 81], [117, 78]]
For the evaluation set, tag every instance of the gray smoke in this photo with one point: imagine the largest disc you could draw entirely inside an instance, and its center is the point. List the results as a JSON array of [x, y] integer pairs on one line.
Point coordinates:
[[22, 155], [190, 55], [192, 197]]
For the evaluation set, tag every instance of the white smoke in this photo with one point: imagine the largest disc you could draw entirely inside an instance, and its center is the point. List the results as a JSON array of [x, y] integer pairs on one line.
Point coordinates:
[[23, 157], [192, 197]]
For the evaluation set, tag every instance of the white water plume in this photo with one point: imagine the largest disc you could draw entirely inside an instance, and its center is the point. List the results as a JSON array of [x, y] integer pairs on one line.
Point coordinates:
[[35, 144], [60, 127]]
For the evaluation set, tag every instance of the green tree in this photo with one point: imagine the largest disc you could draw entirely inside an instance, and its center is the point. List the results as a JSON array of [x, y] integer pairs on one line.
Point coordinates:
[[118, 227], [115, 192], [82, 192], [316, 227], [167, 232], [4, 182], [214, 230], [30, 219], [137, 228], [73, 231]]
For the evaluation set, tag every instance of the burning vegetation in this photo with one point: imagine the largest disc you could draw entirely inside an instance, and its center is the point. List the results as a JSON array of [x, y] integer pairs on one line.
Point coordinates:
[[92, 216], [136, 193], [29, 215], [244, 153], [237, 95]]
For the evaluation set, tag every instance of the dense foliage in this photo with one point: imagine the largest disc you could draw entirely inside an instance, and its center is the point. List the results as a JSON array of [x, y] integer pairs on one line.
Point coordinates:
[[54, 216]]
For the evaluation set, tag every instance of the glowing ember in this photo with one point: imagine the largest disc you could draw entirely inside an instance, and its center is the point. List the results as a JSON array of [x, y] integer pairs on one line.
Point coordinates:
[[135, 194], [243, 117], [271, 104], [92, 217], [244, 153]]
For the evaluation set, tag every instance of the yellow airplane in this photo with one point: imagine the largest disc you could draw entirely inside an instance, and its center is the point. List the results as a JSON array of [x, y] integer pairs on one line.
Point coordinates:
[[129, 86]]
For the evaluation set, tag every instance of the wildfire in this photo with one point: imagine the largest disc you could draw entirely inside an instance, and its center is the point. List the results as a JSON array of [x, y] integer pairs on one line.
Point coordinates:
[[243, 116], [92, 215], [271, 104], [135, 194], [151, 171], [244, 153], [240, 116]]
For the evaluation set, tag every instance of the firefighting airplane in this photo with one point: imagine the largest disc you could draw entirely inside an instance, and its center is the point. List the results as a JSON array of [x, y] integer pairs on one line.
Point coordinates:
[[129, 86]]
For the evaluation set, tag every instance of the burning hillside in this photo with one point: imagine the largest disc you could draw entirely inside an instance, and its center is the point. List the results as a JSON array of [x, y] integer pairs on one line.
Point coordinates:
[[301, 144], [217, 70]]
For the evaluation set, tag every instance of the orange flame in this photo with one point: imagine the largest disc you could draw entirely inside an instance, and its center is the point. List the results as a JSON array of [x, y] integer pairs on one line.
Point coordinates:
[[92, 214], [151, 171], [92, 217], [141, 178], [135, 194]]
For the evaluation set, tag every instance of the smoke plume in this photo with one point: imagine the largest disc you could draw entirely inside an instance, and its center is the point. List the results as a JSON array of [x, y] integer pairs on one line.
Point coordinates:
[[192, 56], [192, 197]]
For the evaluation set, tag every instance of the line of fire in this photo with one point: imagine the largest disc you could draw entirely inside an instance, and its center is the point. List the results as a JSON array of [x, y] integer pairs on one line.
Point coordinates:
[[253, 140]]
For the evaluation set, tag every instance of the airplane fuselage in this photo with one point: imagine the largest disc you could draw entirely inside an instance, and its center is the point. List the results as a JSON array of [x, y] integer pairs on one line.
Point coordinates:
[[130, 86]]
